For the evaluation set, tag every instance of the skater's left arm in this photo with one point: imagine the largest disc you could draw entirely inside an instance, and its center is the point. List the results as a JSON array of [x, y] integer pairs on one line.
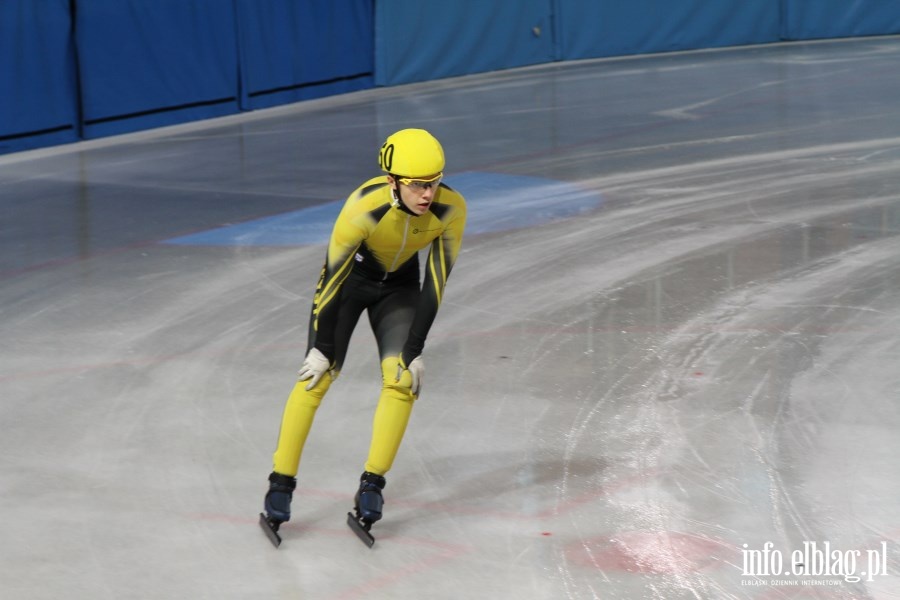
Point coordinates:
[[441, 258]]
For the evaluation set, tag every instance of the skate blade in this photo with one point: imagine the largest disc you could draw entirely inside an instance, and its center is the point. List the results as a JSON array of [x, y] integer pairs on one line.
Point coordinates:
[[360, 531], [269, 530]]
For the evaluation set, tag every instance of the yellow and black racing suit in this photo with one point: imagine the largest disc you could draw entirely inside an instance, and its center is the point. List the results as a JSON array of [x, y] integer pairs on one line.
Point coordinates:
[[372, 264]]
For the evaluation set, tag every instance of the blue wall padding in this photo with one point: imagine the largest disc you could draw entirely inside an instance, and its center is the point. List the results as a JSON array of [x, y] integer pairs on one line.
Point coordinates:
[[137, 64], [598, 29], [812, 19], [293, 51], [146, 64], [418, 40], [38, 96]]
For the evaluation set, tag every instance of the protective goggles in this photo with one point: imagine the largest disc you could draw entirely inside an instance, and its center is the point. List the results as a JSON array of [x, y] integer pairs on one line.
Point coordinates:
[[421, 184]]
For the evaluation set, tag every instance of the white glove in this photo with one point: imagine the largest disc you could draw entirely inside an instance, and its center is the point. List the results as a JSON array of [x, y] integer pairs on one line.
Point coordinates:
[[313, 368], [417, 369]]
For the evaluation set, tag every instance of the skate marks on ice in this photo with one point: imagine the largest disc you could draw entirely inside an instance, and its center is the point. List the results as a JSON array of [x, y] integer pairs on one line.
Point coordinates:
[[655, 216], [717, 308], [757, 419]]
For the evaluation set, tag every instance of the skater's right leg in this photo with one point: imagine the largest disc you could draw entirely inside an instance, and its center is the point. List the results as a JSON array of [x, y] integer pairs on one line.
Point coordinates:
[[299, 412], [302, 403], [297, 420]]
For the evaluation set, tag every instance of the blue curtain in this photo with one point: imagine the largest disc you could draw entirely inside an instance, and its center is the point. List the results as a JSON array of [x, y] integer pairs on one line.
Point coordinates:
[[418, 40], [811, 19], [39, 98], [146, 64], [293, 51], [611, 28]]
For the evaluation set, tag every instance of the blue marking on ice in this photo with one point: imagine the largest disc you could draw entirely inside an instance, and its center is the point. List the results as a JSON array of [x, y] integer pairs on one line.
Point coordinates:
[[496, 202]]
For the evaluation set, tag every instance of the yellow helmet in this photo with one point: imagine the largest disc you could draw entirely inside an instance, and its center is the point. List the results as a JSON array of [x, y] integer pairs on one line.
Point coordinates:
[[411, 153]]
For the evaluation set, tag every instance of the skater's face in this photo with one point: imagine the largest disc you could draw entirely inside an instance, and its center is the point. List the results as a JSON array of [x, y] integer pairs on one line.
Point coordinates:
[[416, 194]]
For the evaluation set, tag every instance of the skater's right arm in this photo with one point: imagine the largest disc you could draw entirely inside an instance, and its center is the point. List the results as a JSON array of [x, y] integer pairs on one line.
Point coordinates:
[[352, 227]]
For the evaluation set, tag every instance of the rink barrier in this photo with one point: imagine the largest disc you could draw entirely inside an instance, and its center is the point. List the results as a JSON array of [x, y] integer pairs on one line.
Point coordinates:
[[149, 64], [823, 19], [82, 69], [292, 51], [38, 97], [649, 26]]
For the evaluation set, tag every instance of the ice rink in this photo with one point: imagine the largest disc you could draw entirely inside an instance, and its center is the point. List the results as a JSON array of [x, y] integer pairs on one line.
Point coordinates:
[[665, 366]]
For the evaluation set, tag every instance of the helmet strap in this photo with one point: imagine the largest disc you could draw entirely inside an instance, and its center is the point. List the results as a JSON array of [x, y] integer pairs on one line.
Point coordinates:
[[396, 202]]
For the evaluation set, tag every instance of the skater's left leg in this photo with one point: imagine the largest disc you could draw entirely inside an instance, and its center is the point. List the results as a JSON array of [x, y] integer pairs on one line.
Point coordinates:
[[391, 418], [395, 406], [391, 319]]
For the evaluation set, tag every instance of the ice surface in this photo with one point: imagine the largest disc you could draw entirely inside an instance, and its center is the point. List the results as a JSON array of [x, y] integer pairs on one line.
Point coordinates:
[[676, 344]]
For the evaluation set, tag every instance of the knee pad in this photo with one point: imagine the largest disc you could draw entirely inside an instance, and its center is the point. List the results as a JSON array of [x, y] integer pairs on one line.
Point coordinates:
[[400, 389], [314, 396]]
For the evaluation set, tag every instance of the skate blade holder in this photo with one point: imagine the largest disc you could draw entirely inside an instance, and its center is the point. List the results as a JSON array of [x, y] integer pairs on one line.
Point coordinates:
[[270, 529], [361, 529]]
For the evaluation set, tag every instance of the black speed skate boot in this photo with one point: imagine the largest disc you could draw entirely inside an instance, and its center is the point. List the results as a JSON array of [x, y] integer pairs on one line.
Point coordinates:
[[278, 505], [369, 500], [368, 505]]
